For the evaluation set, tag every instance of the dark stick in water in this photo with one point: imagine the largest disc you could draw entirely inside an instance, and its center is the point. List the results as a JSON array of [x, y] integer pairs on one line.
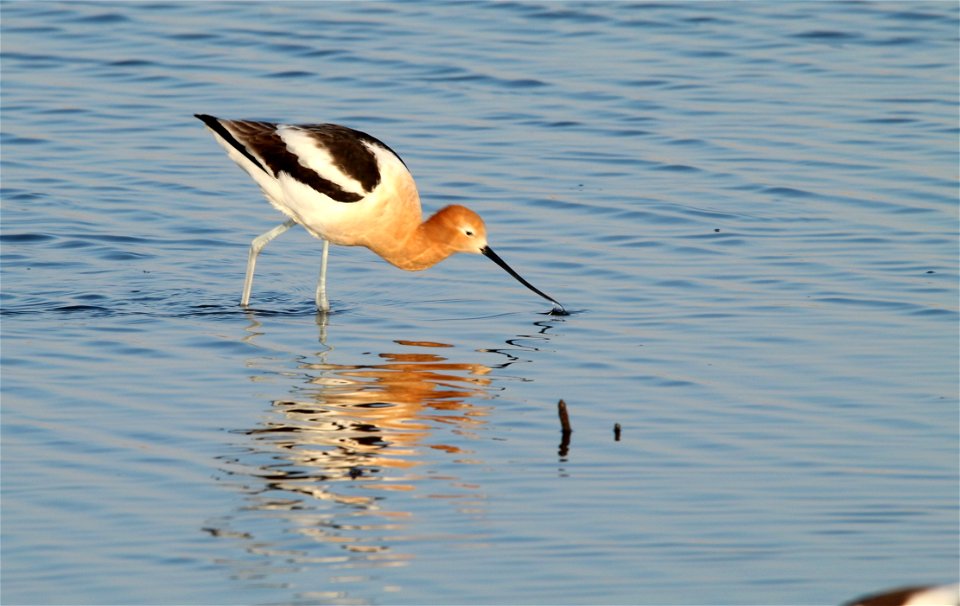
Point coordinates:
[[565, 429]]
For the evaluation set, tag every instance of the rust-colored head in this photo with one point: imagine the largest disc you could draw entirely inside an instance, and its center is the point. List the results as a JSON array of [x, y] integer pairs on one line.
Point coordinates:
[[457, 229], [450, 230]]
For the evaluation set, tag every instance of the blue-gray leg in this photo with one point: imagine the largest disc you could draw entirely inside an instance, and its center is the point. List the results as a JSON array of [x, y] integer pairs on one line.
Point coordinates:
[[322, 304], [255, 247]]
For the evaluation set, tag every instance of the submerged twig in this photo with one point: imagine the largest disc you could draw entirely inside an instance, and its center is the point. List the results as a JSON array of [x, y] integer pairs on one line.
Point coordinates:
[[564, 417], [565, 429]]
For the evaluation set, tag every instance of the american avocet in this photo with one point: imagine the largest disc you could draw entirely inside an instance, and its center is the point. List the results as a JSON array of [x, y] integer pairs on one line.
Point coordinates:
[[915, 595], [346, 187]]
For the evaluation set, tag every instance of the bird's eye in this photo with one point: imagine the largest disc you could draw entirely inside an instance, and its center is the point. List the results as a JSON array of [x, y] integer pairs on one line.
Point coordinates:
[[469, 232]]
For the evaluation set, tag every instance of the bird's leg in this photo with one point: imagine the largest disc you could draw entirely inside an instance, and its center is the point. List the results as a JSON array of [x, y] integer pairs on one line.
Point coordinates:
[[255, 247], [322, 304]]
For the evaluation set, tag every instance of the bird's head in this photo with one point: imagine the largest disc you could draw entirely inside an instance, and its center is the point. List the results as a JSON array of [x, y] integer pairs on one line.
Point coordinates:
[[459, 229]]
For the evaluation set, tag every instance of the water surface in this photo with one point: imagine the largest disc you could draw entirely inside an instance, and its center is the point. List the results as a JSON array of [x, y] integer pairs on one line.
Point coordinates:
[[751, 208]]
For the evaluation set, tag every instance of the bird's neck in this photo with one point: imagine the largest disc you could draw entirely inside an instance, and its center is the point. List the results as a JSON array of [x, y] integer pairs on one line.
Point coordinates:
[[422, 248]]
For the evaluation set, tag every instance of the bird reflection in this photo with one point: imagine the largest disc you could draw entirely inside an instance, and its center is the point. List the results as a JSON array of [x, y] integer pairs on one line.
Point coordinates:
[[352, 421], [338, 474], [350, 435]]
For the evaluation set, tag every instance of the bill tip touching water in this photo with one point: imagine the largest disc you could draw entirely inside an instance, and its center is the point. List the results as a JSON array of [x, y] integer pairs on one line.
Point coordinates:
[[346, 187]]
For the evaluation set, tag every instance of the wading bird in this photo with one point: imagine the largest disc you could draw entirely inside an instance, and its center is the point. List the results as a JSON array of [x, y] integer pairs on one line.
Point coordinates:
[[347, 187]]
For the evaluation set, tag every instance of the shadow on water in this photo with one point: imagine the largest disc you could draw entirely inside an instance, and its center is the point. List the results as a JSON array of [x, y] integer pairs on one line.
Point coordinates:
[[336, 472]]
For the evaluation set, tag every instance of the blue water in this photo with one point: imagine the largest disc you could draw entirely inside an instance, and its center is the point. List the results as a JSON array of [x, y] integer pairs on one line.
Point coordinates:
[[752, 209]]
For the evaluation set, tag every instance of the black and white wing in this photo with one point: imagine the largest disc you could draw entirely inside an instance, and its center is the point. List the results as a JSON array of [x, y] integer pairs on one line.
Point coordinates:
[[335, 161]]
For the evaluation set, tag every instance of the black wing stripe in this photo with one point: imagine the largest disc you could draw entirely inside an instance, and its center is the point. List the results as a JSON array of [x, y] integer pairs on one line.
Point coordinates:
[[274, 152], [218, 128], [348, 151]]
